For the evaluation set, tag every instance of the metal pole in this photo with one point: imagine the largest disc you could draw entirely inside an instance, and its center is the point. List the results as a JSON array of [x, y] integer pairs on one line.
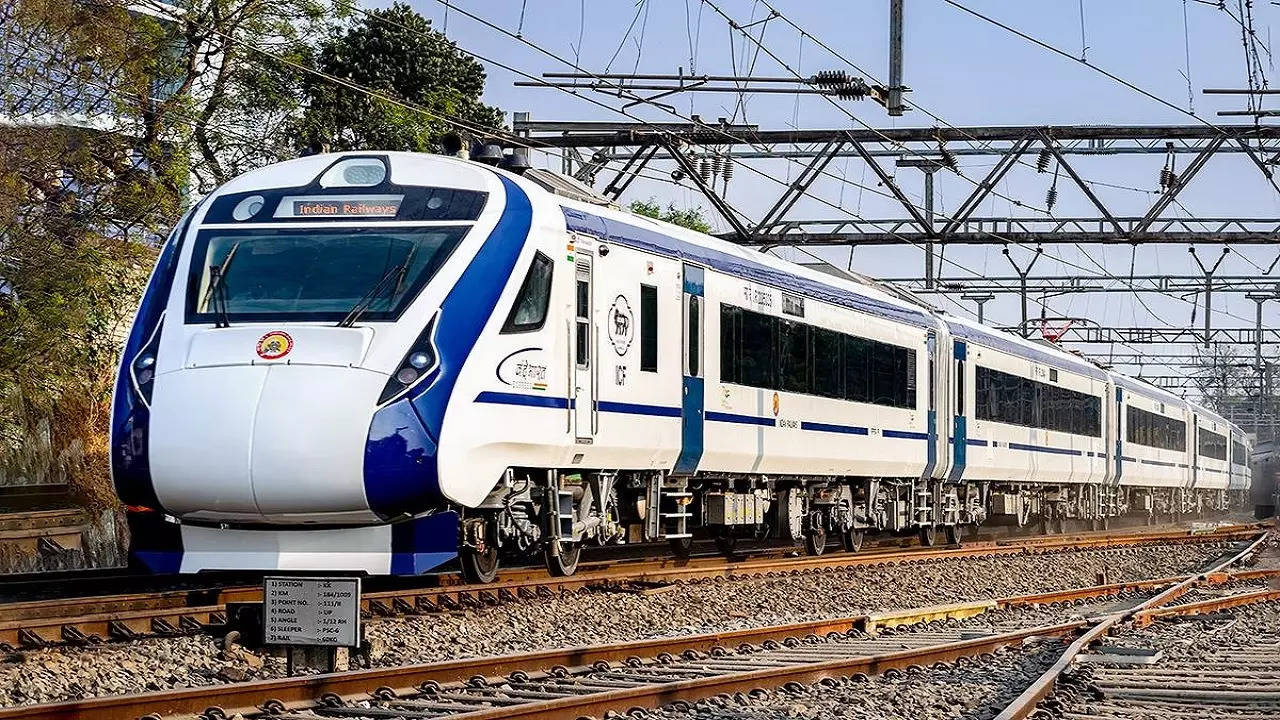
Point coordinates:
[[928, 217], [522, 152], [1257, 356], [1208, 288], [895, 58], [980, 300]]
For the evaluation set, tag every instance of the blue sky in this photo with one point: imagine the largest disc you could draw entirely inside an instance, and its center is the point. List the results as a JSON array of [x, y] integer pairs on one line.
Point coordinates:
[[964, 70]]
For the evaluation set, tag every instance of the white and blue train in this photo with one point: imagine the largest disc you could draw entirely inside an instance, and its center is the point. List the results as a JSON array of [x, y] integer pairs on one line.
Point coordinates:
[[381, 362]]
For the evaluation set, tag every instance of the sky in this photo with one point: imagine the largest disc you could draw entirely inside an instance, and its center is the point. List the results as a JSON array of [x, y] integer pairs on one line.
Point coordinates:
[[958, 67]]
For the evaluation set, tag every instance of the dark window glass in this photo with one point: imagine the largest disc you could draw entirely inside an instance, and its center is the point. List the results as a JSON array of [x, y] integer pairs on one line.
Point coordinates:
[[583, 337], [530, 309], [1239, 453], [857, 369], [793, 356], [648, 328], [1213, 445], [1014, 400], [695, 333], [314, 274], [767, 352], [730, 344], [1143, 427], [584, 299], [758, 342], [827, 367]]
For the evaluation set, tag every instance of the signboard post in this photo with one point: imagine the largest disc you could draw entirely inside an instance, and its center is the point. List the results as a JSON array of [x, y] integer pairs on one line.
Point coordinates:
[[311, 612]]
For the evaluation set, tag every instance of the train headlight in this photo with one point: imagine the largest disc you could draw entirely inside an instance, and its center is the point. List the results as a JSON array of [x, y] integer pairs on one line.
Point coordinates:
[[417, 364], [143, 366], [355, 172], [248, 207]]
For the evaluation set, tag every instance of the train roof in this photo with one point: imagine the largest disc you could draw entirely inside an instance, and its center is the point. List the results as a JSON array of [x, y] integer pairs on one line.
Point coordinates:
[[627, 228], [663, 238], [1008, 342], [1147, 390]]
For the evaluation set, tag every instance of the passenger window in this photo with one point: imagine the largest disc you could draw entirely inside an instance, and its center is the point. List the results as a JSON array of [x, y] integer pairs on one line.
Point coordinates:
[[529, 312], [648, 328], [827, 370], [793, 356]]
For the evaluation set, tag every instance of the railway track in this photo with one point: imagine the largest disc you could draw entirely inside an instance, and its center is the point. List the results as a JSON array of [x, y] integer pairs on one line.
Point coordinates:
[[595, 680], [97, 619], [1028, 703]]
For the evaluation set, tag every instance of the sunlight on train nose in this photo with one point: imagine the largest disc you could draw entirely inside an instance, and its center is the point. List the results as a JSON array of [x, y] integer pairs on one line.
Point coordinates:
[[308, 442], [296, 345]]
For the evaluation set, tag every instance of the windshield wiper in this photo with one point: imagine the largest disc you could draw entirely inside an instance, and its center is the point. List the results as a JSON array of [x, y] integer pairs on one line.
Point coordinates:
[[217, 291], [366, 302]]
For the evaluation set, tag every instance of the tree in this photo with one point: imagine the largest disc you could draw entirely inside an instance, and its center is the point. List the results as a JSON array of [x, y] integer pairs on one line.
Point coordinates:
[[395, 52], [80, 208], [691, 218]]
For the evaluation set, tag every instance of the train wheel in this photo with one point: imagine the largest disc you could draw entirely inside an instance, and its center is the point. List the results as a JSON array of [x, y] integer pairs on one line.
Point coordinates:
[[852, 540], [928, 535], [562, 558], [681, 547], [955, 534], [726, 544], [815, 540], [479, 566]]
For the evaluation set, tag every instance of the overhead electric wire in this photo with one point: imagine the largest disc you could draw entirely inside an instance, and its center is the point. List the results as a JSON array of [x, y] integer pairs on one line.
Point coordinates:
[[783, 64], [971, 140], [522, 142], [711, 129]]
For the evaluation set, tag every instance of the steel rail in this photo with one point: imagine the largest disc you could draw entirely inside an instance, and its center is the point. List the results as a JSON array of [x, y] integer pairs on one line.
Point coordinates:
[[102, 618], [1025, 704], [344, 691], [305, 692]]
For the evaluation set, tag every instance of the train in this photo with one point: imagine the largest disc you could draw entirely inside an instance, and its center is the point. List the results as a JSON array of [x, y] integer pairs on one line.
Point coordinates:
[[386, 362]]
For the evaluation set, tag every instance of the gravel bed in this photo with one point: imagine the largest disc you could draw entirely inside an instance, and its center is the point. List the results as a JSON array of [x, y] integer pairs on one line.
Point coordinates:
[[1192, 642], [587, 618], [974, 690], [1195, 638]]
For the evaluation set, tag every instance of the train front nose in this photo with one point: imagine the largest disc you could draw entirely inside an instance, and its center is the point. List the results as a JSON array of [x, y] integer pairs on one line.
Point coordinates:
[[277, 433]]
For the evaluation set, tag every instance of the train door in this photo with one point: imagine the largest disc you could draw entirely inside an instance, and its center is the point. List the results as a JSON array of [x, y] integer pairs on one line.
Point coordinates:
[[1194, 461], [960, 420], [691, 391], [584, 341]]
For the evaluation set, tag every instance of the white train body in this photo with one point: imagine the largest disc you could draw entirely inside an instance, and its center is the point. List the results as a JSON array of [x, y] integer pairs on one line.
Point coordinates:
[[513, 339]]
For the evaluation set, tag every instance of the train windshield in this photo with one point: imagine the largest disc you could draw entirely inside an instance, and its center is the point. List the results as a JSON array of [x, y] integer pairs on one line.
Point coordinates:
[[313, 274]]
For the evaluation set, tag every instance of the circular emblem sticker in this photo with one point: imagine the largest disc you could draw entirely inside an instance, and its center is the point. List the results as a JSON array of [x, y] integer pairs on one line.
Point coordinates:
[[274, 345], [621, 325]]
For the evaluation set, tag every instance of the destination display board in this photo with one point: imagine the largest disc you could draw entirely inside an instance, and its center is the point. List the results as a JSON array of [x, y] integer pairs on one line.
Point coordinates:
[[311, 611], [331, 206]]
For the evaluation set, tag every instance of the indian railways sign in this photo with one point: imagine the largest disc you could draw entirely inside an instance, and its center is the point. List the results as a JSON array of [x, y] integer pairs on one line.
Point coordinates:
[[311, 611]]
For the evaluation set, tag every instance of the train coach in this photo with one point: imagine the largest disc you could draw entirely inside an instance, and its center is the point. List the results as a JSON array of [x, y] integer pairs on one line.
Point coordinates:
[[381, 362]]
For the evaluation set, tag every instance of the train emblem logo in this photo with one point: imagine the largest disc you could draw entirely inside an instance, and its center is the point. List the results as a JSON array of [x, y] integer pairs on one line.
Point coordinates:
[[274, 345], [621, 325]]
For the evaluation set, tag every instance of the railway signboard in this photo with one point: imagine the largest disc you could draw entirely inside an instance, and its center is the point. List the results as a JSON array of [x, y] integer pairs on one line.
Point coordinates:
[[311, 611]]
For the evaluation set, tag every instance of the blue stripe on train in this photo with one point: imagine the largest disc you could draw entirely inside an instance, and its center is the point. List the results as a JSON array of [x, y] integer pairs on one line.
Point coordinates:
[[400, 471]]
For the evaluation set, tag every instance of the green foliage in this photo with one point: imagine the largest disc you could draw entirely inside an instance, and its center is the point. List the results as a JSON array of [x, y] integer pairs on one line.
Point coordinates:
[[395, 52], [187, 103], [691, 218]]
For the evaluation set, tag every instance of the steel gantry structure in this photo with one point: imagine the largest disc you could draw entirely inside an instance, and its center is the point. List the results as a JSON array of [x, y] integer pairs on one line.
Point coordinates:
[[611, 155], [636, 145]]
